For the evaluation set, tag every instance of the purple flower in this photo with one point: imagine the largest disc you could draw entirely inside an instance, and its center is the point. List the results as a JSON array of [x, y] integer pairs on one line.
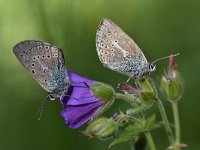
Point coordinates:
[[81, 104]]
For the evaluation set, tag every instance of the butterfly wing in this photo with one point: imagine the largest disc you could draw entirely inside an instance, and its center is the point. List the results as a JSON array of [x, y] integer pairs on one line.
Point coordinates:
[[117, 51], [45, 63]]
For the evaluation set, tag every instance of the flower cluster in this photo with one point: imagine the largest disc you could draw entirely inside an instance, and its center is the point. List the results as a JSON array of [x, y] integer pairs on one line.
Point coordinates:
[[87, 99]]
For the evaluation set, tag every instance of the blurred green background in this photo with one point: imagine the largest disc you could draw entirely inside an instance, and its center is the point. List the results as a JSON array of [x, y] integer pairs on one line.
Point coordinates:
[[159, 27]]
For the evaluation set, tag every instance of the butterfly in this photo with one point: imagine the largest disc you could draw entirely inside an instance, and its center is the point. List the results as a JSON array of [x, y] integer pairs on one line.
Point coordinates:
[[117, 51], [45, 63]]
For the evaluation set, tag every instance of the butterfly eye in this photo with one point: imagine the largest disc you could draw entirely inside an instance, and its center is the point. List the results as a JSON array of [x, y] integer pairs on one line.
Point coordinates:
[[51, 97], [152, 67]]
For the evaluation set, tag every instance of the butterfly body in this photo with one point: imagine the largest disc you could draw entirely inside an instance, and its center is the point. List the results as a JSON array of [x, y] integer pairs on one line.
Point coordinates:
[[117, 51], [46, 65]]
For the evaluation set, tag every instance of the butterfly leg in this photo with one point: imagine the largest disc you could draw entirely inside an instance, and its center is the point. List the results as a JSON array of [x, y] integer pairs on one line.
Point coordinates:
[[128, 80]]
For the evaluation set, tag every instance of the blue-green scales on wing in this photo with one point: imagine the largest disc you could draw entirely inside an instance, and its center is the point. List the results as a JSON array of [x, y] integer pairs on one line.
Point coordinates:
[[45, 62]]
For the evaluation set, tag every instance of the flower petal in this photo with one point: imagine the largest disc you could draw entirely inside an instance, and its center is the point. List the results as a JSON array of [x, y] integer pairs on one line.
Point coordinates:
[[78, 92], [77, 115], [77, 80]]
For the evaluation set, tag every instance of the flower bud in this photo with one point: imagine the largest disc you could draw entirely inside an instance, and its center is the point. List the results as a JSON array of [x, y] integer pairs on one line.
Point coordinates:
[[101, 128], [147, 88], [171, 83], [126, 88], [102, 91]]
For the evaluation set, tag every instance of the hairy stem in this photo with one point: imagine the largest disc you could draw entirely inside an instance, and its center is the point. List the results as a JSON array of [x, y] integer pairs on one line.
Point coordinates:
[[177, 123], [166, 122], [150, 141], [127, 98]]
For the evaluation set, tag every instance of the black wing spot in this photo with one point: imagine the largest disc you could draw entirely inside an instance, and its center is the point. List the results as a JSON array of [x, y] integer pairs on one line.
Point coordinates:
[[33, 71], [39, 47], [108, 33], [46, 47]]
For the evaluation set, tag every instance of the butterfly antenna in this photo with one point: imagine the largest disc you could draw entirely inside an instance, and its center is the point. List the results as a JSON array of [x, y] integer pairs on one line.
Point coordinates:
[[165, 57], [40, 109]]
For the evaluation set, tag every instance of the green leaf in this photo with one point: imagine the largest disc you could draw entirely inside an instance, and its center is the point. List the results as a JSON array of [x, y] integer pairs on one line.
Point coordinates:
[[151, 123], [127, 134]]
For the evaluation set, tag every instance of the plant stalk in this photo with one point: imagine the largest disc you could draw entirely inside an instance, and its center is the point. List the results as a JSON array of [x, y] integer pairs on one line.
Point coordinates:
[[177, 123], [132, 145], [166, 122], [150, 140], [127, 98]]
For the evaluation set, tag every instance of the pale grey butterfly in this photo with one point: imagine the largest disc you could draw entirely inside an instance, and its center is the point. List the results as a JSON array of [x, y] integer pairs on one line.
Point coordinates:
[[117, 51], [45, 62]]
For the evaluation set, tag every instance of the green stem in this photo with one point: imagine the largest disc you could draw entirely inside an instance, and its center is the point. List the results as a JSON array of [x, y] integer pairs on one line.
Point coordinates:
[[177, 122], [150, 141], [127, 98], [132, 102], [132, 145], [166, 122]]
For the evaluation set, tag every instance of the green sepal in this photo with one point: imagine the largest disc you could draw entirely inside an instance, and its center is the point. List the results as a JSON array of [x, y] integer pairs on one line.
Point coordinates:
[[150, 123], [147, 88], [102, 91], [172, 88], [101, 128]]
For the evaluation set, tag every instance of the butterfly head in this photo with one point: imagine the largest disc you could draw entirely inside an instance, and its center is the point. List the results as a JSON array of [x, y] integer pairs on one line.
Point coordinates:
[[151, 68], [51, 96]]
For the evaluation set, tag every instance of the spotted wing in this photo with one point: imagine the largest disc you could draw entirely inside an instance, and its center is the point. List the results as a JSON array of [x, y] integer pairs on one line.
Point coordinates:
[[44, 61], [117, 51]]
